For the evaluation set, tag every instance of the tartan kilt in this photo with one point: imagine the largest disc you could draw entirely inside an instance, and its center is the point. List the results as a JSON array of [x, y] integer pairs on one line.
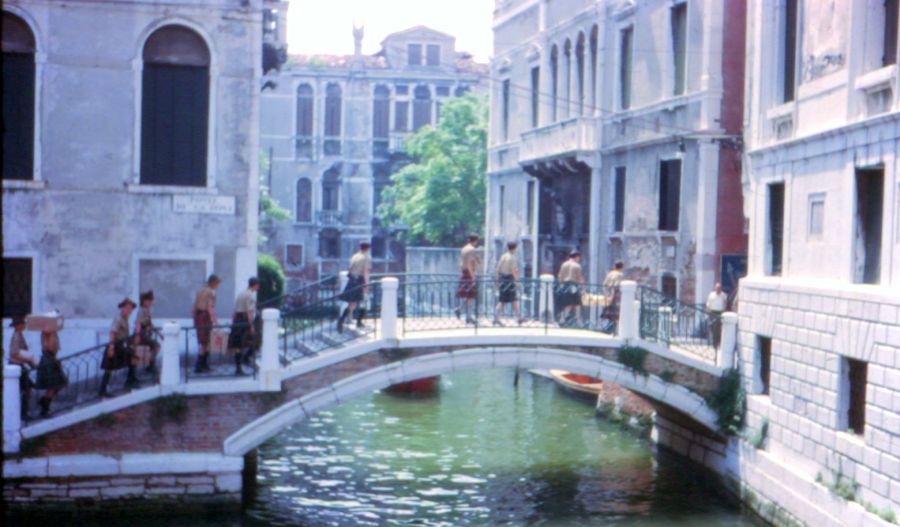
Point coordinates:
[[354, 290], [203, 324], [507, 288], [121, 357], [468, 288], [241, 336]]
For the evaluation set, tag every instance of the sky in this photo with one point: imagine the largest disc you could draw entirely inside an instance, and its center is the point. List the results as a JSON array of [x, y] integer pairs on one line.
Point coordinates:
[[326, 26]]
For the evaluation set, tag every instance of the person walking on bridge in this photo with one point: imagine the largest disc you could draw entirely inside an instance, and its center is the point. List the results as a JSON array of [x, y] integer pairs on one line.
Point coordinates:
[[118, 352], [204, 320], [571, 283], [716, 304], [21, 357], [469, 261], [613, 295], [357, 281], [243, 331], [144, 332], [507, 278]]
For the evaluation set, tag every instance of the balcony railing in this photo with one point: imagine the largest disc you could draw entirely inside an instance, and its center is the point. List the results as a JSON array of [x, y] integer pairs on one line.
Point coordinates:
[[559, 139], [328, 217], [314, 148]]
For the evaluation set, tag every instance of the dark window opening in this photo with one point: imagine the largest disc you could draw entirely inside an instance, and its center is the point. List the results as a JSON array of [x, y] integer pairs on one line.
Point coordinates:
[[776, 227], [293, 257], [554, 83], [669, 194], [890, 32], [421, 107], [401, 116], [855, 372], [679, 45], [402, 89], [869, 204], [669, 286], [331, 184], [304, 140], [379, 247], [764, 363], [433, 55], [504, 125], [579, 73], [529, 211], [381, 107], [461, 90], [415, 54], [18, 98], [329, 244], [304, 200], [16, 287], [567, 81], [535, 95], [619, 205], [442, 91], [502, 201], [594, 38], [625, 51], [789, 51], [174, 108], [332, 143]]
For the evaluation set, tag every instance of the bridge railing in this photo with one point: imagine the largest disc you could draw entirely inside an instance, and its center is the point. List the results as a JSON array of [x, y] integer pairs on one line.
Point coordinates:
[[678, 324], [221, 359]]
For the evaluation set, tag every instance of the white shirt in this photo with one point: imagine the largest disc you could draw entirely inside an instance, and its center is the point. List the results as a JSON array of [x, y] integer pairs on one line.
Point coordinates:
[[717, 301]]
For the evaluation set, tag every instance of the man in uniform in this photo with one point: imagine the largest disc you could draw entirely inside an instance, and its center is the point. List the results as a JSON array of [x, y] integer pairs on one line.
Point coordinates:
[[468, 287], [144, 332], [21, 357], [613, 296], [243, 330], [204, 320], [118, 352], [357, 280], [507, 275], [571, 283]]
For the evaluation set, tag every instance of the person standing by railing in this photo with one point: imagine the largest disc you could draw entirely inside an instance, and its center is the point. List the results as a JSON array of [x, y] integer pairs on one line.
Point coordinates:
[[144, 332], [50, 374], [613, 294], [507, 278], [571, 284], [716, 304], [21, 357], [243, 331], [469, 261], [119, 353], [355, 291], [204, 320]]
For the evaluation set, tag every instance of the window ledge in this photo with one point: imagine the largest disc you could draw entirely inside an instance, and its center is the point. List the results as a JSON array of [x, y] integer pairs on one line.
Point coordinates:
[[171, 189], [24, 184], [782, 110], [876, 77]]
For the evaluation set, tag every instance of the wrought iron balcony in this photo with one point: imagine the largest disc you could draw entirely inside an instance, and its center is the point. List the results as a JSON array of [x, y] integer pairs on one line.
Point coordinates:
[[565, 138]]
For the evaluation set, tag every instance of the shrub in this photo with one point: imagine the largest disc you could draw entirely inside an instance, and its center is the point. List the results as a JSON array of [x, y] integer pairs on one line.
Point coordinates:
[[271, 279], [633, 359], [729, 402]]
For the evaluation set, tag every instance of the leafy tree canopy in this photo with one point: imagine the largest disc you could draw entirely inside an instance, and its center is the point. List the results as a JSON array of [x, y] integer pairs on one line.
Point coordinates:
[[440, 196]]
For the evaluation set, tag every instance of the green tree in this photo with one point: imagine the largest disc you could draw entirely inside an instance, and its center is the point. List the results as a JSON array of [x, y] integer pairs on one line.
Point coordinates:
[[271, 279], [440, 196]]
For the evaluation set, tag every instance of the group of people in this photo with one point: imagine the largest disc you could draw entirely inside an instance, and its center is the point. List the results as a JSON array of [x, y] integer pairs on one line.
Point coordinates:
[[243, 338], [50, 375]]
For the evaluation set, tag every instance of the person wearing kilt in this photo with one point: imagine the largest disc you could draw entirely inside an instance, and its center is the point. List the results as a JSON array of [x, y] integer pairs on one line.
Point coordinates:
[[118, 352], [355, 291], [507, 275], [21, 357], [144, 332], [242, 340], [204, 320], [50, 374], [469, 262], [571, 283], [612, 293]]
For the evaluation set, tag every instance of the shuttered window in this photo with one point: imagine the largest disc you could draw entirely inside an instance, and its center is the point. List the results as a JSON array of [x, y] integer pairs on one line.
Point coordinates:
[[679, 45], [18, 98], [381, 109], [619, 206], [625, 51], [421, 107], [304, 200], [669, 194], [789, 51], [890, 32], [174, 108], [332, 144], [776, 226], [535, 96], [304, 140]]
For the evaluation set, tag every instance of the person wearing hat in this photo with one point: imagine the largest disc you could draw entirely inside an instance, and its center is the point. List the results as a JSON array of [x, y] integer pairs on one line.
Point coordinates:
[[118, 352], [571, 283], [20, 356], [50, 374], [144, 332], [204, 320], [243, 332], [355, 291]]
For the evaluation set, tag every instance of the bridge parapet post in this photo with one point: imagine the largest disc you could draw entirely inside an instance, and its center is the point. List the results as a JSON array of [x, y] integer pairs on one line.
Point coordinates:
[[727, 345], [270, 375], [628, 310], [389, 286], [12, 408], [171, 365], [545, 302]]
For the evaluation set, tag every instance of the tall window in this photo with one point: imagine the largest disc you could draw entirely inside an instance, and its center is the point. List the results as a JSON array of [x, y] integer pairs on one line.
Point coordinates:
[[401, 116], [594, 38], [579, 73], [669, 286], [502, 207], [567, 80], [554, 83], [174, 108], [293, 256], [331, 184], [433, 55], [891, 12], [381, 120], [16, 285], [529, 208], [869, 219], [789, 51], [619, 201], [535, 96], [776, 227], [304, 200], [329, 243], [18, 98], [414, 53], [669, 194], [421, 107], [763, 364], [679, 45], [625, 51], [854, 375], [332, 145], [504, 125], [304, 140]]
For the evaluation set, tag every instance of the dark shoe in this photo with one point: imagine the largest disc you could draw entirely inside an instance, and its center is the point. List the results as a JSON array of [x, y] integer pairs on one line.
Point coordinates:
[[44, 402]]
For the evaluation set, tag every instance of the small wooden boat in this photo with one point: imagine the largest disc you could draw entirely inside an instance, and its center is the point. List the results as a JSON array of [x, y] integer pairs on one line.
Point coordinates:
[[423, 385], [576, 382]]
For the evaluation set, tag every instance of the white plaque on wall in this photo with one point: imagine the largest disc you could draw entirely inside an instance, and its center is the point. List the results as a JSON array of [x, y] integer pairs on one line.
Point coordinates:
[[203, 204]]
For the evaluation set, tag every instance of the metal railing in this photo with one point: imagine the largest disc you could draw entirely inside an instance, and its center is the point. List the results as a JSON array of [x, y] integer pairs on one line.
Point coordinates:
[[677, 324], [312, 292], [221, 359]]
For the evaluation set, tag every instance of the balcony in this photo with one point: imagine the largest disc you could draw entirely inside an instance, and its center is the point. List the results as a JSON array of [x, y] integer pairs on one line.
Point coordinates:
[[567, 138], [328, 218]]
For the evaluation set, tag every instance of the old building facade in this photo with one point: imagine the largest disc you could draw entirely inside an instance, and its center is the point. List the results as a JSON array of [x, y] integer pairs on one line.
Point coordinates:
[[820, 307], [130, 155], [614, 130], [333, 128]]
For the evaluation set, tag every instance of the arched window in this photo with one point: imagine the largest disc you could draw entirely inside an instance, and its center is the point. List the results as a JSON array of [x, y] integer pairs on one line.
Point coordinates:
[[304, 139], [381, 120], [331, 184], [304, 200], [567, 80], [554, 81], [421, 107], [18, 98], [174, 108], [332, 144], [579, 73], [594, 32]]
